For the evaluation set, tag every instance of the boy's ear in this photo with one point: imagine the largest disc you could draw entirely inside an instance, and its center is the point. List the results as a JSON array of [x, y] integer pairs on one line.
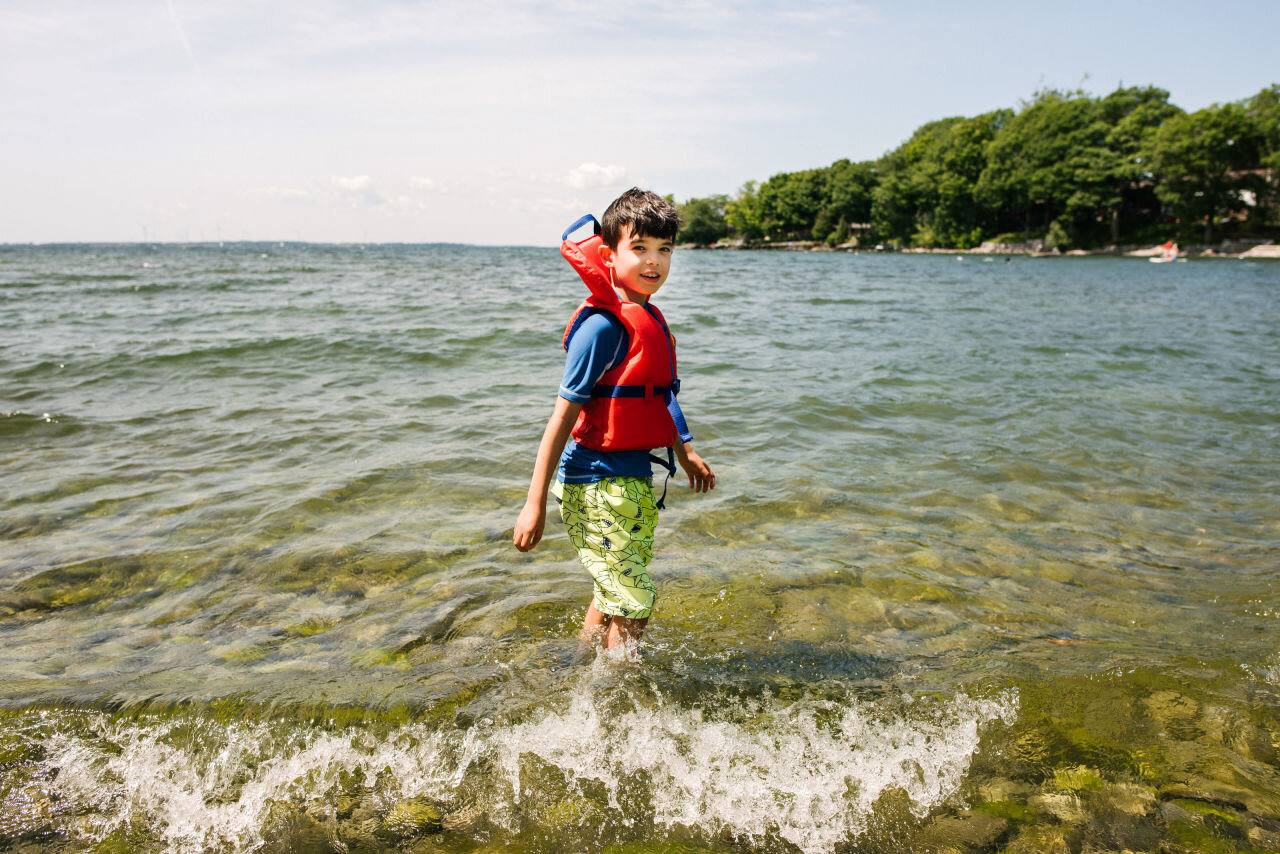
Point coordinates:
[[606, 255]]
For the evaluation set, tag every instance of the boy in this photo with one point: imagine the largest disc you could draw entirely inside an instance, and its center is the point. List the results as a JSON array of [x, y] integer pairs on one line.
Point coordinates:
[[617, 400]]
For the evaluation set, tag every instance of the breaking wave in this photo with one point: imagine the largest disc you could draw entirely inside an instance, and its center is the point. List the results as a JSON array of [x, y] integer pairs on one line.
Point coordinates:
[[808, 772]]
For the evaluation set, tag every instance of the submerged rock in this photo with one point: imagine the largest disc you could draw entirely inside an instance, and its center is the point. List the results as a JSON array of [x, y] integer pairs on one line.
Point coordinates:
[[1265, 837], [1078, 779], [571, 811], [463, 819], [1125, 817], [127, 839], [423, 846], [1130, 799], [1223, 820], [19, 749], [655, 847], [292, 828], [1065, 807], [967, 831], [1001, 790], [1175, 712], [412, 817], [1039, 840]]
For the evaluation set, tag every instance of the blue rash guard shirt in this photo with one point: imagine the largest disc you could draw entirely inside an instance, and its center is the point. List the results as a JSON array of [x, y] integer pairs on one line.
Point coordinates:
[[598, 344]]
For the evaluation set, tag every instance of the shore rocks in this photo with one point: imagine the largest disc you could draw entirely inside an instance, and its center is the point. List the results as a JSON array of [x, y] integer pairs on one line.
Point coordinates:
[[1268, 250], [1029, 247], [1244, 249]]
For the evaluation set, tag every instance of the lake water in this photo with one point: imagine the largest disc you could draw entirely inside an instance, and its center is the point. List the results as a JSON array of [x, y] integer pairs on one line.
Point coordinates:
[[992, 563]]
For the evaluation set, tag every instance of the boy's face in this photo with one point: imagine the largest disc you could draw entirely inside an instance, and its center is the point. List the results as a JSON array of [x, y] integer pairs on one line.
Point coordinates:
[[640, 264]]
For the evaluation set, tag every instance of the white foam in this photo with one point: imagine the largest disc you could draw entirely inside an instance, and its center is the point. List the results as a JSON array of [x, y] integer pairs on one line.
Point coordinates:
[[807, 772], [201, 800], [1269, 673]]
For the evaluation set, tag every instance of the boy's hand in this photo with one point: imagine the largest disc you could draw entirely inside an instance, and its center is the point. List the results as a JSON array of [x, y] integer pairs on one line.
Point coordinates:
[[701, 478], [529, 525]]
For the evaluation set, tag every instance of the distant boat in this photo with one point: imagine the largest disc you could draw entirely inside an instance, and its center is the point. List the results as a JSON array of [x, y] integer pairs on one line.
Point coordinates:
[[1168, 254]]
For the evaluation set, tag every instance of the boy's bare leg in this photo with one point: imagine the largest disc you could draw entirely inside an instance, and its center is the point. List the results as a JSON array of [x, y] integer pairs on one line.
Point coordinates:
[[595, 625], [622, 629]]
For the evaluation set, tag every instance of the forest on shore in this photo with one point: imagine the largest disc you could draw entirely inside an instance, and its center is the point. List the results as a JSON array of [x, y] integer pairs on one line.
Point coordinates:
[[1074, 170]]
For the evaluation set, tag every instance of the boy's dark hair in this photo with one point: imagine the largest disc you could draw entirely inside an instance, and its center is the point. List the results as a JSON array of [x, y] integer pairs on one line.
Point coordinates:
[[648, 214]]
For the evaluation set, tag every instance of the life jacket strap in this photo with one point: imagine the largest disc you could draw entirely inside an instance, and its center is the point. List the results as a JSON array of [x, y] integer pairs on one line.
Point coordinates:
[[670, 465], [677, 415], [635, 390], [578, 223]]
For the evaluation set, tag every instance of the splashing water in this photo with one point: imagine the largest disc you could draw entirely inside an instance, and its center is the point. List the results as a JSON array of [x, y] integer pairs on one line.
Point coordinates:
[[808, 772]]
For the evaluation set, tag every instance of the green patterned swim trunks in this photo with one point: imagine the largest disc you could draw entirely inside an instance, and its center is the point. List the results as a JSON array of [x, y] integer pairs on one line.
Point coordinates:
[[610, 522]]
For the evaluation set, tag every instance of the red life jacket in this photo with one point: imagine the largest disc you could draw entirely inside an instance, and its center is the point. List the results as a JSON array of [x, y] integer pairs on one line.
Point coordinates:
[[628, 406]]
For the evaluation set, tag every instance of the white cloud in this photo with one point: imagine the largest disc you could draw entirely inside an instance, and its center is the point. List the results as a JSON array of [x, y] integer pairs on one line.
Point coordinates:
[[26, 22], [290, 193], [592, 176], [407, 203], [358, 191], [542, 205], [354, 184], [417, 183]]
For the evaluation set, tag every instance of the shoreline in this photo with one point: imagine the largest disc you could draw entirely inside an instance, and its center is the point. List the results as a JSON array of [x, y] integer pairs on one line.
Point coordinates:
[[1249, 250]]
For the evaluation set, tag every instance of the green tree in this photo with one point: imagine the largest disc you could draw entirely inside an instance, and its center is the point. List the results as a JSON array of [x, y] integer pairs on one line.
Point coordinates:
[[903, 201], [848, 200], [1133, 116], [1103, 170], [1035, 161], [703, 220], [1264, 109], [926, 192], [1199, 160], [958, 218], [790, 203], [742, 213]]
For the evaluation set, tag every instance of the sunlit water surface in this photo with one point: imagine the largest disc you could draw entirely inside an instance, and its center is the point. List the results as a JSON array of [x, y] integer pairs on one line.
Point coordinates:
[[992, 563]]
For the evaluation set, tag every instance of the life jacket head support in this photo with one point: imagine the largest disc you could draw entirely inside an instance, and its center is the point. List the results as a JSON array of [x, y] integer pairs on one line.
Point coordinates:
[[584, 257]]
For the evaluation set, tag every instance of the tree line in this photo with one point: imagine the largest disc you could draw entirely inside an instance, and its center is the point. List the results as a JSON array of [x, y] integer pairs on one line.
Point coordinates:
[[1075, 170]]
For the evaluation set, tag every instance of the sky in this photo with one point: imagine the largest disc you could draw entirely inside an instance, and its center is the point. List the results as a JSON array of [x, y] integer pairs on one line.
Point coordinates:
[[499, 123]]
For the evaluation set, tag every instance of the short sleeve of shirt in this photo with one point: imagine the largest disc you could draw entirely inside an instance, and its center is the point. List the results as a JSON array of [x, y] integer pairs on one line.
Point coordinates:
[[595, 346]]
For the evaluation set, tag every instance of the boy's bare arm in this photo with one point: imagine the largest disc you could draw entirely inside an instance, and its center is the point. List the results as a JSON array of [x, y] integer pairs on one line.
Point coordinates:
[[533, 518], [701, 477]]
